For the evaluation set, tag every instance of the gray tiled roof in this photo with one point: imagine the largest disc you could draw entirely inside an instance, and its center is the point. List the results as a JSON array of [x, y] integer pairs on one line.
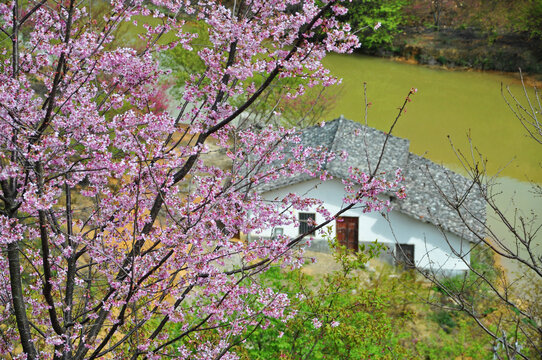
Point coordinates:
[[364, 146], [432, 193], [429, 186], [310, 137]]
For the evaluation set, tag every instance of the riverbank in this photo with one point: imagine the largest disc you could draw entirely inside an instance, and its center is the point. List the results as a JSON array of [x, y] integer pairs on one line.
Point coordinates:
[[466, 49]]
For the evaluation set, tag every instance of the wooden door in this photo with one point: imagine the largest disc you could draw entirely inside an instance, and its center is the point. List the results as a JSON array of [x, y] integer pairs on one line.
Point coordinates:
[[347, 232]]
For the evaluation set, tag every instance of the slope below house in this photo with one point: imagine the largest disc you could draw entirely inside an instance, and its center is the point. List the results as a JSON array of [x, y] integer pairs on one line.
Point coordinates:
[[425, 230]]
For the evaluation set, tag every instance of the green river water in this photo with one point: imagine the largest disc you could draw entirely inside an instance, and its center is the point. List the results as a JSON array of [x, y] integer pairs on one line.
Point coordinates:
[[448, 103]]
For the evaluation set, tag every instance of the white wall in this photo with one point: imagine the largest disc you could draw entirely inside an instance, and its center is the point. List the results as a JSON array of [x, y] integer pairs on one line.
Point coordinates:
[[432, 250]]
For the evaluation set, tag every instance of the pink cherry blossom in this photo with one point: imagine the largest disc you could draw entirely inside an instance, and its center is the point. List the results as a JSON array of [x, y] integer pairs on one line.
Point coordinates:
[[115, 212]]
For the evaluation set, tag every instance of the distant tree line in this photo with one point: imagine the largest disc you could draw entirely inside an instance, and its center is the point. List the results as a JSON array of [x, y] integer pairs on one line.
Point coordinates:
[[488, 16]]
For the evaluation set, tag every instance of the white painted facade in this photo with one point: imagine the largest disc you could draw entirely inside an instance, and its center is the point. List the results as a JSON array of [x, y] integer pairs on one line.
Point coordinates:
[[432, 247]]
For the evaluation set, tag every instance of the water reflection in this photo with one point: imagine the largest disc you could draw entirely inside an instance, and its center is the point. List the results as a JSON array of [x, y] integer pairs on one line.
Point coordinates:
[[516, 199]]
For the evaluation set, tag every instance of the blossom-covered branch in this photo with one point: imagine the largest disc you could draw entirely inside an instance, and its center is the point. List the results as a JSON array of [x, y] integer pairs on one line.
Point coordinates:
[[117, 223]]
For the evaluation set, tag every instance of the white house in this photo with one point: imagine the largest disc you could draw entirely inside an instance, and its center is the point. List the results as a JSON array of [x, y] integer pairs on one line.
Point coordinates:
[[422, 230]]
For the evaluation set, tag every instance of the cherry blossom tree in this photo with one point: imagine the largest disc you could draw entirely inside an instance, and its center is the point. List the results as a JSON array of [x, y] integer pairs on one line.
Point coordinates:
[[115, 225]]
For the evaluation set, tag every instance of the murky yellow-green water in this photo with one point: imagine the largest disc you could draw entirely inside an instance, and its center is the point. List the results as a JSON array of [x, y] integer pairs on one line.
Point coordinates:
[[454, 103]]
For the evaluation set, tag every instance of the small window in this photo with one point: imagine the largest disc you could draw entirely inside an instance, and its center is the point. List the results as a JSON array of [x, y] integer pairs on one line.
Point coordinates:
[[404, 255], [306, 222], [278, 231]]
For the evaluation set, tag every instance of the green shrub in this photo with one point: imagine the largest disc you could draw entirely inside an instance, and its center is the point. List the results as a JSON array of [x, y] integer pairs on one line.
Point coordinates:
[[363, 15]]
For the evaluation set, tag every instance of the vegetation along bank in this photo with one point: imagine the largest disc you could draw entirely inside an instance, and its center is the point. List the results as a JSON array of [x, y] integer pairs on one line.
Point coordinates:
[[486, 35]]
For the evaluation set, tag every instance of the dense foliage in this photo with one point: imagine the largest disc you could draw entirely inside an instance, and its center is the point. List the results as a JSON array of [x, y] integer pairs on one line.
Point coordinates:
[[342, 315], [351, 311], [487, 17], [365, 16], [497, 17]]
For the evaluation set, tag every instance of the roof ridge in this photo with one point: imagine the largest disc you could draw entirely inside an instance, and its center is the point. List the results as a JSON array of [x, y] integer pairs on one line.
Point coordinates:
[[340, 121], [332, 143]]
